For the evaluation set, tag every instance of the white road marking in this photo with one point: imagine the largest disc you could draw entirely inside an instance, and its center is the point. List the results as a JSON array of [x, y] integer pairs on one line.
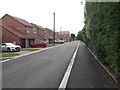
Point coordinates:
[[64, 81], [5, 60]]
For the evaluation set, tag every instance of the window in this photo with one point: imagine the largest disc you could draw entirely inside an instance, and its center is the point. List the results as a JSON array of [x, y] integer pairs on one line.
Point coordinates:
[[27, 30], [45, 32], [34, 30], [3, 44], [1, 35]]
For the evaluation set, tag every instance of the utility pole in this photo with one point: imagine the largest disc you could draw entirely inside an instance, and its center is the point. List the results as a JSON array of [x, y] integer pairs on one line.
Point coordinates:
[[60, 32], [54, 26]]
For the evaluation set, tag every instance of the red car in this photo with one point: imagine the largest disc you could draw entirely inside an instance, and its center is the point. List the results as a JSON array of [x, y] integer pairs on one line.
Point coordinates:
[[38, 44]]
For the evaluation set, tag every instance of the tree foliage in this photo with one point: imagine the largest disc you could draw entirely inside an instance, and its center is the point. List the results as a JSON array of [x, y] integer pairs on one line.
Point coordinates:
[[102, 32], [73, 36]]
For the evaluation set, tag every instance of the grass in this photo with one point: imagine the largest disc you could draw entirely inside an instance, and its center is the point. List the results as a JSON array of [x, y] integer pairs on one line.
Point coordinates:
[[51, 45], [29, 49], [9, 54]]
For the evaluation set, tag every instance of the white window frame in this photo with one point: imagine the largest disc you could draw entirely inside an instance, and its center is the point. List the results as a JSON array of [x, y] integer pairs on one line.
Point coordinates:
[[27, 29], [34, 30]]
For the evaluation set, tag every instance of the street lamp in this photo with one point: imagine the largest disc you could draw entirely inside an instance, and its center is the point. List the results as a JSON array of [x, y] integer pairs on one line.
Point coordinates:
[[60, 32], [54, 26]]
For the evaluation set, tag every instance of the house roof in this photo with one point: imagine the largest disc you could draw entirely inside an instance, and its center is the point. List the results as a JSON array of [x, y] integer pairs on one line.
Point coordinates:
[[50, 31], [40, 27], [20, 20], [19, 34], [64, 32]]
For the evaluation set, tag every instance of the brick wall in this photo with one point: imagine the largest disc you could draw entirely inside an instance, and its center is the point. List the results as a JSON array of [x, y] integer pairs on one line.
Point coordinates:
[[9, 37], [9, 21], [57, 36], [40, 33], [65, 35]]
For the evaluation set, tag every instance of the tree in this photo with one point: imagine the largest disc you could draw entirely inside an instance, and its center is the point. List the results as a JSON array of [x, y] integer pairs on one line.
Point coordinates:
[[101, 32], [73, 36]]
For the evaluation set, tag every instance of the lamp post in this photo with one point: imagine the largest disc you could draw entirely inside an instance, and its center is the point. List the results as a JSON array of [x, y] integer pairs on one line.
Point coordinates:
[[60, 32], [54, 26]]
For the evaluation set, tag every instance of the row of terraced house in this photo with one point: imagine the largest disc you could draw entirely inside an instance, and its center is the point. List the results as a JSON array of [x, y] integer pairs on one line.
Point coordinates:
[[23, 33]]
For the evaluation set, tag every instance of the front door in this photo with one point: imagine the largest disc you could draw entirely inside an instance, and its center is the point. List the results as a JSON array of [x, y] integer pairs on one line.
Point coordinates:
[[31, 41], [22, 43]]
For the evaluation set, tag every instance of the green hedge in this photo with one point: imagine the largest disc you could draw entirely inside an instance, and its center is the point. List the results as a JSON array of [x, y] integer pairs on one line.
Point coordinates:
[[102, 32]]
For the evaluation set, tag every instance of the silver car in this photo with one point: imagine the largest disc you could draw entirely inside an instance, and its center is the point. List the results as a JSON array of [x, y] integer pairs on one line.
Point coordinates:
[[10, 47], [59, 41]]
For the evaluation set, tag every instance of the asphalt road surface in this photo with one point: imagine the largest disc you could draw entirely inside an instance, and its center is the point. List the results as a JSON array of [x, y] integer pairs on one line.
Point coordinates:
[[41, 70], [47, 68]]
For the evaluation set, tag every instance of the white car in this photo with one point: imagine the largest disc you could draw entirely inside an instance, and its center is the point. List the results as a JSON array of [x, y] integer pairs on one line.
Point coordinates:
[[59, 41], [62, 41], [10, 47]]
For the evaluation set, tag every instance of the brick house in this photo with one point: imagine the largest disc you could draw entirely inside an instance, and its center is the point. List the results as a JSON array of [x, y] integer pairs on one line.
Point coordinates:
[[49, 35], [57, 36], [17, 30], [46, 35], [40, 33], [64, 35], [13, 29]]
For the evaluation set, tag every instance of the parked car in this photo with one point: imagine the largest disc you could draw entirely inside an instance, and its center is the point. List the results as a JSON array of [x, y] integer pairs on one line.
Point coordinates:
[[38, 44], [10, 47], [59, 41]]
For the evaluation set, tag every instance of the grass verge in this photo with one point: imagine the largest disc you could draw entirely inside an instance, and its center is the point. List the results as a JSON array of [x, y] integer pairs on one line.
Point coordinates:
[[9, 54], [29, 49], [51, 45]]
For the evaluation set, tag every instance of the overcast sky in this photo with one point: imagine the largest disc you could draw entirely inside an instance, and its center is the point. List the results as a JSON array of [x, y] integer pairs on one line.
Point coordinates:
[[69, 13]]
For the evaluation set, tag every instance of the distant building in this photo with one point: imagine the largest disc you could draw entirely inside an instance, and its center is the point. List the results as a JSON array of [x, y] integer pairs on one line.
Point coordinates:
[[57, 36], [64, 35]]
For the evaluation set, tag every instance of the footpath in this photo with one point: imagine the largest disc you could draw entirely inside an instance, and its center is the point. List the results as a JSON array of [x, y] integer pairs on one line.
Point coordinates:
[[87, 72]]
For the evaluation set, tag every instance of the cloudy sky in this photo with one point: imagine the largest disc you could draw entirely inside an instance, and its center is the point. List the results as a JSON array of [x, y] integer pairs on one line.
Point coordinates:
[[69, 13]]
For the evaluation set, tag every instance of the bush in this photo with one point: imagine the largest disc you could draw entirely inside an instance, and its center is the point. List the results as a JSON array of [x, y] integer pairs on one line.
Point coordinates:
[[101, 32]]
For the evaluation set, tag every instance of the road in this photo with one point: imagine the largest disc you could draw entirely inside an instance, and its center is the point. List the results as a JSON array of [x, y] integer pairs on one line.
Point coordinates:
[[46, 69], [40, 70]]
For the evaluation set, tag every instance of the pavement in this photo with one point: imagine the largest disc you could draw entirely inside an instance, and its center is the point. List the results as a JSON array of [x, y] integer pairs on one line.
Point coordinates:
[[88, 73]]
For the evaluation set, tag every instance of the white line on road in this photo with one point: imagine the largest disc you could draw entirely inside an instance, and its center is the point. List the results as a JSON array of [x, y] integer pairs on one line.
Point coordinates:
[[68, 71]]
